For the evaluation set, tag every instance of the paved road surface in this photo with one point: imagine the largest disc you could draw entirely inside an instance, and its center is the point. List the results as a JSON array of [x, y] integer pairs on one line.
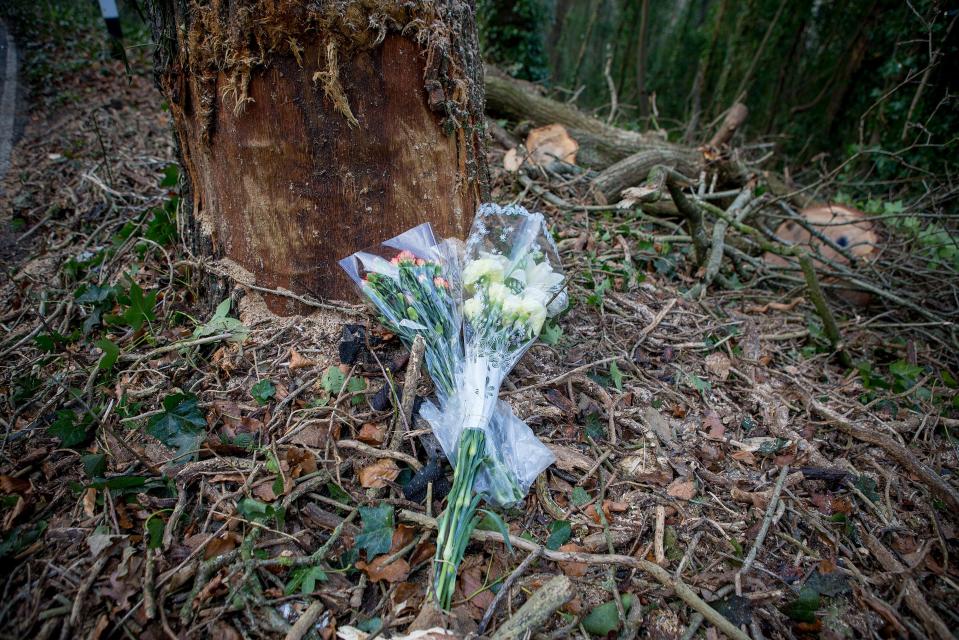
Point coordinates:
[[8, 96]]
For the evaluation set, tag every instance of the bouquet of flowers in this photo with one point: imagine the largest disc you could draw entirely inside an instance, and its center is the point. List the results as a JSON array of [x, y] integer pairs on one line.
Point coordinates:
[[478, 311]]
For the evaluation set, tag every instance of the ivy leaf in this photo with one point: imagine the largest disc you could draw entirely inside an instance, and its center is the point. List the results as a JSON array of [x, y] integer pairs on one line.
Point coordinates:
[[110, 354], [70, 432], [377, 534], [181, 426], [139, 308], [616, 376], [305, 579], [551, 333], [94, 464], [698, 384], [21, 537], [171, 174], [354, 385], [155, 527], [222, 323], [333, 380], [559, 534], [804, 607], [580, 497], [605, 618], [263, 391]]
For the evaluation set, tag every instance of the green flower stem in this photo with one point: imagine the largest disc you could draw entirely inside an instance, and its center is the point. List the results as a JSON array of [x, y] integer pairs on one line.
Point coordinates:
[[458, 520]]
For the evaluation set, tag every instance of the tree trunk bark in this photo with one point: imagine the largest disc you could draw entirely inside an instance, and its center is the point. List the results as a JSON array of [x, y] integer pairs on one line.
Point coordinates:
[[308, 131]]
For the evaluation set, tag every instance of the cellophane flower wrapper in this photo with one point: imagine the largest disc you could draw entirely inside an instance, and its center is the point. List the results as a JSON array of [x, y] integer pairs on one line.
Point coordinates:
[[412, 281], [511, 280]]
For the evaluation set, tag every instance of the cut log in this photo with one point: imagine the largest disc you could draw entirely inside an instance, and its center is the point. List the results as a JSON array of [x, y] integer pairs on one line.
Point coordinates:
[[633, 170], [600, 144]]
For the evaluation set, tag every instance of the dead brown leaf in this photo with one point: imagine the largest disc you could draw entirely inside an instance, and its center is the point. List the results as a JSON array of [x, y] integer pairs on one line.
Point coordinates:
[[224, 543], [422, 553], [299, 362], [402, 536], [550, 144], [746, 457], [573, 569], [301, 461], [90, 501], [718, 364], [372, 434], [715, 426], [378, 570], [682, 489], [9, 484], [379, 474]]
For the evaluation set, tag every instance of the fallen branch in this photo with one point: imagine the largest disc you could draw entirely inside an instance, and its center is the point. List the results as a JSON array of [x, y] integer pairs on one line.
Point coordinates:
[[536, 610], [380, 453], [600, 144], [763, 530], [911, 592], [896, 451], [679, 587], [822, 309]]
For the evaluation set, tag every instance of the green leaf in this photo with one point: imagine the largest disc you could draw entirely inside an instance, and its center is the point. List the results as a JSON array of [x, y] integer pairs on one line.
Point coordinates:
[[70, 432], [559, 534], [222, 323], [493, 522], [304, 579], [616, 376], [580, 497], [372, 625], [171, 174], [698, 383], [333, 380], [804, 607], [551, 333], [594, 428], [604, 618], [377, 534], [110, 354], [181, 426], [253, 510], [263, 391], [155, 527], [119, 482], [354, 385], [94, 464]]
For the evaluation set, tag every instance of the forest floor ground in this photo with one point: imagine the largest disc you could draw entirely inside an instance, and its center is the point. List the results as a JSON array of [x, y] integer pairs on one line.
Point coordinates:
[[718, 438]]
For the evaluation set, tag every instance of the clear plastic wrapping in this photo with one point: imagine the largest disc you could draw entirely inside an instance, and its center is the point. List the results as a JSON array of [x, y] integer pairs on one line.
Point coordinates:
[[507, 281]]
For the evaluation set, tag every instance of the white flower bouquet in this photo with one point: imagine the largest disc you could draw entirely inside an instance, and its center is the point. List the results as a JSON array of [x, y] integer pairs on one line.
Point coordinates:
[[479, 313]]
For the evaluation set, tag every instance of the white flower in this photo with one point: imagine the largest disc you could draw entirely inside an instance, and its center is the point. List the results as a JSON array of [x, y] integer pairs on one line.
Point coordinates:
[[512, 307], [537, 294], [541, 276], [498, 292], [491, 266], [472, 307], [535, 311]]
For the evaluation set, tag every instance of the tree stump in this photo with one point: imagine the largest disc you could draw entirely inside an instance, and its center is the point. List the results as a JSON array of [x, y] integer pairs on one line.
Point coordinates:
[[308, 131]]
